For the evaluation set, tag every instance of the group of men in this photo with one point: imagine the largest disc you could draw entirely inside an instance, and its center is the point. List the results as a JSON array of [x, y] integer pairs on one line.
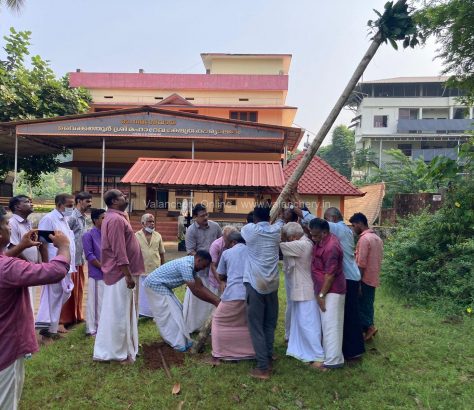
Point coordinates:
[[230, 274], [330, 287]]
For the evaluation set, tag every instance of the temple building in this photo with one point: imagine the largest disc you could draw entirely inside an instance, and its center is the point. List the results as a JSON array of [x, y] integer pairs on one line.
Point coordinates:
[[223, 137]]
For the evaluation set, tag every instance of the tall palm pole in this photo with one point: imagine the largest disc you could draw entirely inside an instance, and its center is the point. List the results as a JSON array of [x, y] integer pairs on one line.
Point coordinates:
[[394, 24]]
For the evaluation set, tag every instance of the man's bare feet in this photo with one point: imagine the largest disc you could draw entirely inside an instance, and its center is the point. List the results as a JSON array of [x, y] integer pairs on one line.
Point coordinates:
[[62, 329], [127, 361], [260, 374], [211, 360], [319, 366]]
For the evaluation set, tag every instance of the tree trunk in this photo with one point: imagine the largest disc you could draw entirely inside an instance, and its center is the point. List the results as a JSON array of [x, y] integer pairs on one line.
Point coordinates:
[[313, 148]]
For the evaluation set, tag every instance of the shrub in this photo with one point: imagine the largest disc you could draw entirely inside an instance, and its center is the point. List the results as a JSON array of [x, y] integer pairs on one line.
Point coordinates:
[[430, 258]]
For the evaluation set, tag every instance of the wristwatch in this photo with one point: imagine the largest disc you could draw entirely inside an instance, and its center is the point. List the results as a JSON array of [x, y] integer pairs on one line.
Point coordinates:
[[321, 295]]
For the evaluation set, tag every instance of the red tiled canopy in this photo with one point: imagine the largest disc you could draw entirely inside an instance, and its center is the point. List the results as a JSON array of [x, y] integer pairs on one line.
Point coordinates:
[[165, 171], [320, 179]]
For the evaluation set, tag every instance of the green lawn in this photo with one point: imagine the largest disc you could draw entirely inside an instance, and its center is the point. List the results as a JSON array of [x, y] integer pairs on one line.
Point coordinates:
[[417, 361]]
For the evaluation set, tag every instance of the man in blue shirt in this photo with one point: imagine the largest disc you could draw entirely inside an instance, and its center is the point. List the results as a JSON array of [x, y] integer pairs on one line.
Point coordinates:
[[261, 279], [165, 306]]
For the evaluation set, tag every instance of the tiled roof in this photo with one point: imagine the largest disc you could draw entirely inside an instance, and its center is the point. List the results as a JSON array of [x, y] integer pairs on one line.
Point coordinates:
[[145, 81], [370, 204], [202, 173], [320, 179]]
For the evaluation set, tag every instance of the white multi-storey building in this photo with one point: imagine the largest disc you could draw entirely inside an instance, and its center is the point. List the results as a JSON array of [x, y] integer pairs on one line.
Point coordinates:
[[417, 115]]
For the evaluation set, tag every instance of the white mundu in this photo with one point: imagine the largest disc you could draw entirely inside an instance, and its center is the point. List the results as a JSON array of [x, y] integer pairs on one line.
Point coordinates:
[[117, 334]]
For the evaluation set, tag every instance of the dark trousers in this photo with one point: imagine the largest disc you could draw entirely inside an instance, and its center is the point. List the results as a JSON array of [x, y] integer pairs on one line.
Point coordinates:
[[262, 316], [366, 306], [352, 341]]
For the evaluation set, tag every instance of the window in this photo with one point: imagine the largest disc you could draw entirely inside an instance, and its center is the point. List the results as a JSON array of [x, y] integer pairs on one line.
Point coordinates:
[[460, 113], [408, 113], [405, 148], [244, 115], [92, 183], [183, 193], [231, 202], [380, 121]]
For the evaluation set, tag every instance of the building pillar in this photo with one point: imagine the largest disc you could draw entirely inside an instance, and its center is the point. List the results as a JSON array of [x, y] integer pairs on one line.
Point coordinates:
[[451, 112], [341, 204], [103, 175], [420, 113], [15, 177], [319, 211], [191, 199]]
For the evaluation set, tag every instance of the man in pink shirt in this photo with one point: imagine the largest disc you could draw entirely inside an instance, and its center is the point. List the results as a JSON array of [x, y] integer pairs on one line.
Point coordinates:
[[216, 249], [122, 264], [369, 254], [330, 290], [17, 333]]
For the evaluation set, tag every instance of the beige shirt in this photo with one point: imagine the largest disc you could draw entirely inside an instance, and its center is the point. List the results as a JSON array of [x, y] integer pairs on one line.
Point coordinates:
[[150, 251], [297, 265]]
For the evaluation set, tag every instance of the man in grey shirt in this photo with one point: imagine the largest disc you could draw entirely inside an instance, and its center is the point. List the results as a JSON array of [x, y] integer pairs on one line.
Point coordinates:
[[71, 311], [199, 237]]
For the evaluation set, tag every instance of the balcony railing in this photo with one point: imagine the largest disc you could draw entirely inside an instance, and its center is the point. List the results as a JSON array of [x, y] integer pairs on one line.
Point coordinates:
[[429, 154], [434, 126]]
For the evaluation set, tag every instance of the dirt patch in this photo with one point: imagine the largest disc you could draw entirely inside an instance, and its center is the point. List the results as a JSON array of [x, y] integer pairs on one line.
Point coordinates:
[[152, 357]]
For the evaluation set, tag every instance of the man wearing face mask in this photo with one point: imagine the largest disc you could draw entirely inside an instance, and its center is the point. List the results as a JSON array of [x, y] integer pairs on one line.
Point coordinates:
[[54, 296], [121, 261], [153, 253], [71, 312]]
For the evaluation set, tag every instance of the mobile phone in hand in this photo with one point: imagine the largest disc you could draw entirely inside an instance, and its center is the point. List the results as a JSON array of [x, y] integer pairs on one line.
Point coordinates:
[[44, 236]]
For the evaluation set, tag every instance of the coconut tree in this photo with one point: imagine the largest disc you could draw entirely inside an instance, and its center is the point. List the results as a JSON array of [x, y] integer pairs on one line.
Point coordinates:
[[14, 5], [395, 24]]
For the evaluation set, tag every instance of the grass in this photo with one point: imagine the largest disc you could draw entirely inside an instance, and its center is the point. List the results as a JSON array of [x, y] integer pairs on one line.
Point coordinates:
[[418, 361]]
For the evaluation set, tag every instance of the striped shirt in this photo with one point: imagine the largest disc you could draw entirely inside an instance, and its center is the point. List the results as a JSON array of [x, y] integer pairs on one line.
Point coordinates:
[[171, 275]]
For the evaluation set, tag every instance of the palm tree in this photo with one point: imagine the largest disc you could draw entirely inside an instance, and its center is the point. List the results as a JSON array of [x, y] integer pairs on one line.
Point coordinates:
[[14, 5], [394, 24]]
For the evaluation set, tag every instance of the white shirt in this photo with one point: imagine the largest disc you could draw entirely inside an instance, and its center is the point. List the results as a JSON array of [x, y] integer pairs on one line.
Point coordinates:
[[230, 265], [297, 256], [20, 227], [55, 221], [261, 267]]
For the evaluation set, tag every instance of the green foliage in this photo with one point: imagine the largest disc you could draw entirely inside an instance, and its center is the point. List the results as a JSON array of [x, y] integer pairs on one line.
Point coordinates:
[[33, 92], [339, 153], [395, 24], [430, 258], [49, 185], [406, 175], [450, 22]]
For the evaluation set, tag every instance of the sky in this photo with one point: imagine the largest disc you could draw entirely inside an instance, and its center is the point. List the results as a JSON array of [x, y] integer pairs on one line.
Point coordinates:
[[326, 38]]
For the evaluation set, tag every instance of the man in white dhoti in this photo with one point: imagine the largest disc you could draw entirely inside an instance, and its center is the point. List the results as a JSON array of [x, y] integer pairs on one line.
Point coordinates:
[[121, 259], [166, 308], [199, 236], [153, 252], [54, 296], [305, 331], [21, 207]]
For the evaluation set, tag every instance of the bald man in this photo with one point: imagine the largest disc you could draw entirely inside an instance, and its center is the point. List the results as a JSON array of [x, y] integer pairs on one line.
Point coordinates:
[[153, 252]]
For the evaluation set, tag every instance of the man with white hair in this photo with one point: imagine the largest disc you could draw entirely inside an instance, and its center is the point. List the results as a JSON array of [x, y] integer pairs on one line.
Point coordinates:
[[304, 341], [153, 251], [216, 249]]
